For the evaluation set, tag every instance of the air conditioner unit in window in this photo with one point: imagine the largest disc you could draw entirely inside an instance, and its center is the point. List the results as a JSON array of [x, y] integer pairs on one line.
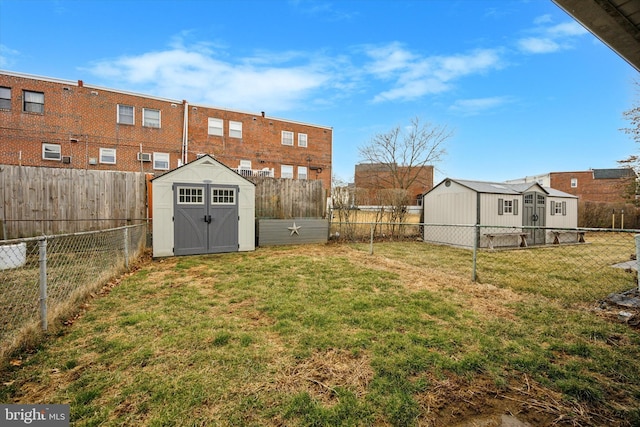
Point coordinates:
[[66, 160], [144, 157]]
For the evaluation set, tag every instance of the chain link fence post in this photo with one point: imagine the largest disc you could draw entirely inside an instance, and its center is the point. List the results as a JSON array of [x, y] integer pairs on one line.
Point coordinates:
[[371, 241], [637, 237], [42, 250], [126, 248], [476, 243]]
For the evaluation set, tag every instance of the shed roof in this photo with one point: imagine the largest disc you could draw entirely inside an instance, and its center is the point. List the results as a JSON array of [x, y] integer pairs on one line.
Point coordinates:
[[204, 159], [505, 188]]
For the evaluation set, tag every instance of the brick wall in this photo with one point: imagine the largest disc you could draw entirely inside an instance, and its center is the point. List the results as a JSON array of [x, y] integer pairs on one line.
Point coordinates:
[[82, 119], [373, 177], [588, 188]]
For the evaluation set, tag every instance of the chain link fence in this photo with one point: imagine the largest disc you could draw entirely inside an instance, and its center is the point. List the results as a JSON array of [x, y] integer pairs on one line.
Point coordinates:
[[44, 278], [574, 265]]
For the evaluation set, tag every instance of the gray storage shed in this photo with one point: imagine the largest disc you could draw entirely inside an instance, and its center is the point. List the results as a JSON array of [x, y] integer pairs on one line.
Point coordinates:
[[202, 207]]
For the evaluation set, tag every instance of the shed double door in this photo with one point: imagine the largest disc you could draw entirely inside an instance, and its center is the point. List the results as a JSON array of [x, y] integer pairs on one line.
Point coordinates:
[[534, 216], [205, 218]]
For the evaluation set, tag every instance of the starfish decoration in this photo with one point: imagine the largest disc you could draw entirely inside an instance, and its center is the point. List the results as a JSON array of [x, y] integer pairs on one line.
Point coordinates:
[[294, 229]]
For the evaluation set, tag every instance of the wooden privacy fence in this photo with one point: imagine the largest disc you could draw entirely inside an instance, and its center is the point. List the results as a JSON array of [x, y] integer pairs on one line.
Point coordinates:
[[289, 198], [46, 201]]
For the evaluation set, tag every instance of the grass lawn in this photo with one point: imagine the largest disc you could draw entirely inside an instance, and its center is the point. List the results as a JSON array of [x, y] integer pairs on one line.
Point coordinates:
[[330, 335]]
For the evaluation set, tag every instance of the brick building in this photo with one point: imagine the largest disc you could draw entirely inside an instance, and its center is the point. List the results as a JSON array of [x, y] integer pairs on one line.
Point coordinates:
[[58, 123], [370, 178], [617, 185], [597, 185]]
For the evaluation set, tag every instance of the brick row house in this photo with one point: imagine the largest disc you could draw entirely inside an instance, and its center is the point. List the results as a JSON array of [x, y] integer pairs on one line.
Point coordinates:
[[58, 123], [372, 179], [615, 185]]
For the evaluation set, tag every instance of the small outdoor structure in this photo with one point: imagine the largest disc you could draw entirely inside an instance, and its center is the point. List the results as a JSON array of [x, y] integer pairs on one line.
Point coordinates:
[[505, 212], [202, 207]]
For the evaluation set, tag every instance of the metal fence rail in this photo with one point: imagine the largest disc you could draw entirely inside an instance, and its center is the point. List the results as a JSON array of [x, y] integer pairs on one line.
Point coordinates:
[[577, 265], [44, 278]]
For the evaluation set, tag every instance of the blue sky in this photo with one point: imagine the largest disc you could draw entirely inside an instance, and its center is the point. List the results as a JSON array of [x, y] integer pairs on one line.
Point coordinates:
[[524, 88]]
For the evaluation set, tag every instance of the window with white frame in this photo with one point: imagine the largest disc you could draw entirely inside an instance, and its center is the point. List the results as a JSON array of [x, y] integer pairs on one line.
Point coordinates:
[[508, 206], [223, 196], [302, 172], [302, 140], [51, 151], [125, 115], [150, 118], [190, 195], [215, 126], [286, 171], [33, 102], [161, 161], [574, 182], [287, 138], [235, 129], [108, 156], [5, 98]]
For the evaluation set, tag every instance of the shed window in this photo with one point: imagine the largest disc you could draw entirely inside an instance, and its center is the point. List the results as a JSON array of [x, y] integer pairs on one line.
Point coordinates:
[[190, 195], [33, 102], [5, 98], [509, 207], [558, 208], [223, 196], [215, 126], [125, 115]]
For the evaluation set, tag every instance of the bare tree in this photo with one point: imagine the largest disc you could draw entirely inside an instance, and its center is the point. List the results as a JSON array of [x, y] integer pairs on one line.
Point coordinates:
[[398, 158], [633, 161]]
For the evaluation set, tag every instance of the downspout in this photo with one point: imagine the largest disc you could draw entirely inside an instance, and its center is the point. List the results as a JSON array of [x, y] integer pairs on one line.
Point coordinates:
[[185, 133]]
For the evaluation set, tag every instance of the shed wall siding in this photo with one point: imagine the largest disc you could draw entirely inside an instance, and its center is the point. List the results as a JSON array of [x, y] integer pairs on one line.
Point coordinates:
[[450, 205]]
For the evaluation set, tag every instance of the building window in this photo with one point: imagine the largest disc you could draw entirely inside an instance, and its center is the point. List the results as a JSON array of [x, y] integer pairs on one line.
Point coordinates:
[[161, 161], [51, 152], [223, 196], [302, 140], [302, 172], [287, 138], [215, 127], [33, 102], [286, 171], [108, 156], [125, 115], [150, 118], [235, 129], [5, 98], [508, 206], [574, 182], [190, 195]]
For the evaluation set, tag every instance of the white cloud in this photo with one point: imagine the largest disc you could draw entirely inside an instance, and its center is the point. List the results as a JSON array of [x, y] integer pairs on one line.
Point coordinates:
[[208, 77], [475, 106], [7, 56], [414, 76], [538, 45], [550, 38]]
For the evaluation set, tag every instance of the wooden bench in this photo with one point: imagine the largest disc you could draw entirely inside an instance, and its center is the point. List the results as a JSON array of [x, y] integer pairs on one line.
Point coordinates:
[[521, 234], [557, 233]]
